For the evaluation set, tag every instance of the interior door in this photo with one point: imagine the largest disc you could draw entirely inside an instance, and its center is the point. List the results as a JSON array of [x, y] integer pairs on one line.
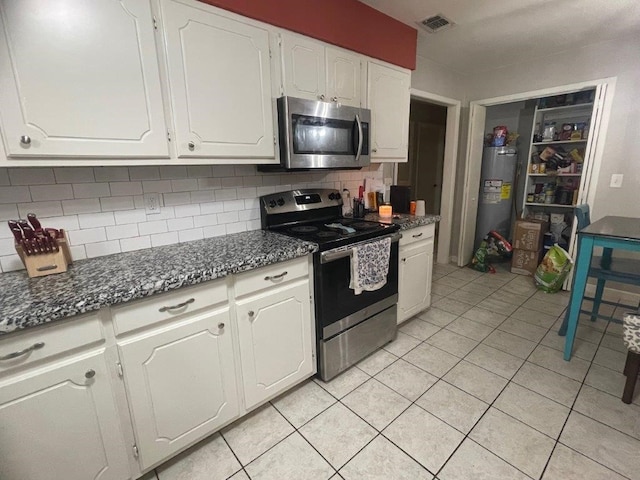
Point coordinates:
[[475, 142], [430, 160]]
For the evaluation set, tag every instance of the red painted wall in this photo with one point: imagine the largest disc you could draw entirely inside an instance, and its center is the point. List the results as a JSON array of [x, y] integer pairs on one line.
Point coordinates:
[[346, 23]]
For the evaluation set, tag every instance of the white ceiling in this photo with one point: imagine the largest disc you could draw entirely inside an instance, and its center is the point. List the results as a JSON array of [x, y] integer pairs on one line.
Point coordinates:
[[493, 33]]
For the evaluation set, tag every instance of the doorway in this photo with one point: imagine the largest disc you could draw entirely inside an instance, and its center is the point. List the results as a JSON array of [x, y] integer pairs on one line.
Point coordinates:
[[444, 190]]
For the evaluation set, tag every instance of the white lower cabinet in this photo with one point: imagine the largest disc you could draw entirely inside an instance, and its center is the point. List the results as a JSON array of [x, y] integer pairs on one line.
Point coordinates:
[[60, 421], [415, 270], [276, 340], [180, 382]]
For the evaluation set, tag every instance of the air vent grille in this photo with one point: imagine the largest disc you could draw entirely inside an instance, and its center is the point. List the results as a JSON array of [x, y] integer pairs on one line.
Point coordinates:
[[436, 23]]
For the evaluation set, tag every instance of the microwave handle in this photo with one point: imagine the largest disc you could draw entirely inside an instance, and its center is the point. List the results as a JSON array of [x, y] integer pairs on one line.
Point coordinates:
[[360, 137]]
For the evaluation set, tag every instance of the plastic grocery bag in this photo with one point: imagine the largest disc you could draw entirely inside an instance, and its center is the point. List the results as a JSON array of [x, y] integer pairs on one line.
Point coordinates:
[[480, 261], [553, 270]]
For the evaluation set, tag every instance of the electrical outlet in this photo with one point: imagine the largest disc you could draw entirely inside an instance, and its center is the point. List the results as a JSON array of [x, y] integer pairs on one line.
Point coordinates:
[[152, 203], [616, 180]]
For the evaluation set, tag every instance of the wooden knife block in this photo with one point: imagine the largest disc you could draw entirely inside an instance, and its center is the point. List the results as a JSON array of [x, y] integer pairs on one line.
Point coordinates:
[[47, 263]]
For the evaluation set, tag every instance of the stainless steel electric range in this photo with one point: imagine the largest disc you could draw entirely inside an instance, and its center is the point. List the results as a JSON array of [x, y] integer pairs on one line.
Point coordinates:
[[349, 327]]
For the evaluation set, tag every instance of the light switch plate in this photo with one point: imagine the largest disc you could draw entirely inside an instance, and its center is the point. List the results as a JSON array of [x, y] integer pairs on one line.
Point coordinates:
[[616, 180]]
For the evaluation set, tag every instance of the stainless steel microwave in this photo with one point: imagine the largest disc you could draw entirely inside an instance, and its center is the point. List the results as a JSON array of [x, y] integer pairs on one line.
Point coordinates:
[[317, 135]]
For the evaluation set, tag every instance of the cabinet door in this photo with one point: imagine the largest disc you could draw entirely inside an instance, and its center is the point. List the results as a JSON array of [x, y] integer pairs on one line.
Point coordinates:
[[303, 62], [414, 281], [181, 384], [220, 83], [276, 341], [80, 79], [57, 423], [343, 77], [388, 99]]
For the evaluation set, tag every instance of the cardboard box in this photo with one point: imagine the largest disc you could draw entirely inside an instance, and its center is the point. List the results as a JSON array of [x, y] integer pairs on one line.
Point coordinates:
[[529, 235], [525, 262]]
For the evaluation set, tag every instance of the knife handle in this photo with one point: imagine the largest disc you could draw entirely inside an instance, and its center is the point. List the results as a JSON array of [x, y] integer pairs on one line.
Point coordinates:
[[34, 221], [15, 229]]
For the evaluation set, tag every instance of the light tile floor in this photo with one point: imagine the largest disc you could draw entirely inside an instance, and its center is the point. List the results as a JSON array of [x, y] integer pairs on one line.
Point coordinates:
[[473, 388]]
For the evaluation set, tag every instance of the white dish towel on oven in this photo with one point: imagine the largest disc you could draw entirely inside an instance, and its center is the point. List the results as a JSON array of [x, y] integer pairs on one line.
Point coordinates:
[[370, 265]]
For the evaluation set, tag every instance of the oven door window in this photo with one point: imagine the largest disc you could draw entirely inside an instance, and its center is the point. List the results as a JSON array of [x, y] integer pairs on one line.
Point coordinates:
[[324, 136]]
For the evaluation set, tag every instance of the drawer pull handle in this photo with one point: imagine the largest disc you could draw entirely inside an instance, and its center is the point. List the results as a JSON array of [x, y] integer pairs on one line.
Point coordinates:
[[90, 373], [275, 277], [19, 353], [418, 235], [47, 267], [176, 307]]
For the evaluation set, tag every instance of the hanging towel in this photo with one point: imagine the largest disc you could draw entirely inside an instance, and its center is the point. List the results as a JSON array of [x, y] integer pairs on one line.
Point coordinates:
[[370, 265]]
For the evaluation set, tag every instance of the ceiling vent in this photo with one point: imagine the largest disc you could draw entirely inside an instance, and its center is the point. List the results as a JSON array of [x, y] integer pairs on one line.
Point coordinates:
[[435, 24]]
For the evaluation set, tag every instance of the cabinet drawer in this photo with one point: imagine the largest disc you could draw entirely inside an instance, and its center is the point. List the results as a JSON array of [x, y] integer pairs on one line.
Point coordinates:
[[41, 343], [166, 306], [417, 234], [265, 277]]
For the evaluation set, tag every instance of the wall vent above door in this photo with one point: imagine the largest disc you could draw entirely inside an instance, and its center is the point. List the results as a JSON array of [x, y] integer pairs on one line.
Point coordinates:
[[436, 23]]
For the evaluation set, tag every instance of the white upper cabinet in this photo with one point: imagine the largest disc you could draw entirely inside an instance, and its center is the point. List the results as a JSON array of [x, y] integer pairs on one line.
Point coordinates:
[[316, 72], [388, 99], [220, 83], [80, 79]]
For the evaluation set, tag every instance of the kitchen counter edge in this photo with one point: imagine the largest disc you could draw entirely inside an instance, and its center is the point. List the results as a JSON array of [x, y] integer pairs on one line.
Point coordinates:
[[405, 220]]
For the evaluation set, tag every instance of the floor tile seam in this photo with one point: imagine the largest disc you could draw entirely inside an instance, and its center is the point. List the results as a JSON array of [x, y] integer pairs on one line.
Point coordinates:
[[431, 373], [592, 459], [267, 450], [232, 452], [412, 336], [531, 426], [406, 453], [559, 373], [561, 350], [338, 399], [335, 470], [335, 400]]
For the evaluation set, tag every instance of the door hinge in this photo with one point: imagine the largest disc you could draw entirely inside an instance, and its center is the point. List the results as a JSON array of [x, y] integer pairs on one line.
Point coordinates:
[[155, 23], [274, 140], [136, 453], [270, 54], [120, 371], [169, 135]]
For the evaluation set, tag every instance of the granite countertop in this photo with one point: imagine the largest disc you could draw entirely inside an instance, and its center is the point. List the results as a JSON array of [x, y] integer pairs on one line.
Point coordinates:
[[405, 220], [95, 283]]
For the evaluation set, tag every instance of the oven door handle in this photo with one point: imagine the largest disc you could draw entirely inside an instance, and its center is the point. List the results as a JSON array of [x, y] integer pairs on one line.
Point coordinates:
[[330, 256], [360, 137]]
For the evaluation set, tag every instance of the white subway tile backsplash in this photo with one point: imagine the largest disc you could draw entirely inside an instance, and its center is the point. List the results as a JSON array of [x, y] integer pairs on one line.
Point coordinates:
[[74, 175], [184, 185], [93, 220], [138, 243], [111, 174], [202, 196], [7, 247], [10, 263], [89, 235], [74, 207], [125, 188], [181, 198], [41, 209], [190, 235], [233, 205], [31, 176], [4, 177], [144, 173], [67, 222], [112, 204], [208, 183], [271, 180], [251, 203], [91, 190], [7, 212], [214, 231], [248, 192], [226, 194], [260, 191], [128, 230], [236, 227], [149, 228], [168, 238], [43, 193], [156, 186], [223, 171], [255, 181], [197, 171], [249, 215], [254, 225], [187, 210], [231, 182], [100, 249], [205, 220], [227, 217], [211, 207], [173, 171], [165, 214], [130, 216], [78, 252], [243, 170], [180, 224]]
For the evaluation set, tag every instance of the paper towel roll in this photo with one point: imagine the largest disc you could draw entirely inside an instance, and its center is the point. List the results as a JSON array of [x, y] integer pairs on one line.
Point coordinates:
[[420, 208]]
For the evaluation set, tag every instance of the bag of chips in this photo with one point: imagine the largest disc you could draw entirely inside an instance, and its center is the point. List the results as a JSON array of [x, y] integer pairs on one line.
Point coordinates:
[[553, 270]]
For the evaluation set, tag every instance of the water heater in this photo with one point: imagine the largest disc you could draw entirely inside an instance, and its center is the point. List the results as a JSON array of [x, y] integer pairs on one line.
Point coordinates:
[[497, 188]]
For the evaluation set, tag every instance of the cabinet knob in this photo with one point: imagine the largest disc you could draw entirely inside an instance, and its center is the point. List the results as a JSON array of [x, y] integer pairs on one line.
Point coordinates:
[[25, 140], [191, 145], [321, 97], [221, 325], [251, 313], [90, 373], [334, 99], [374, 150]]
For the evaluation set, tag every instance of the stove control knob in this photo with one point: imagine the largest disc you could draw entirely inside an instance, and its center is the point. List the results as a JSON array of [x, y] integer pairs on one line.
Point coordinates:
[[281, 201], [332, 196], [272, 203]]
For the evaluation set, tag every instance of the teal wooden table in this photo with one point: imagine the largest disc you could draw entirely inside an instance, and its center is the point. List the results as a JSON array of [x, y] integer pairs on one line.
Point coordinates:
[[610, 233]]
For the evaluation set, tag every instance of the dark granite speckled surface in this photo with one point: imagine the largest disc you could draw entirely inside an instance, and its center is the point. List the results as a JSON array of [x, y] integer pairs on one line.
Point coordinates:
[[91, 284], [405, 221]]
